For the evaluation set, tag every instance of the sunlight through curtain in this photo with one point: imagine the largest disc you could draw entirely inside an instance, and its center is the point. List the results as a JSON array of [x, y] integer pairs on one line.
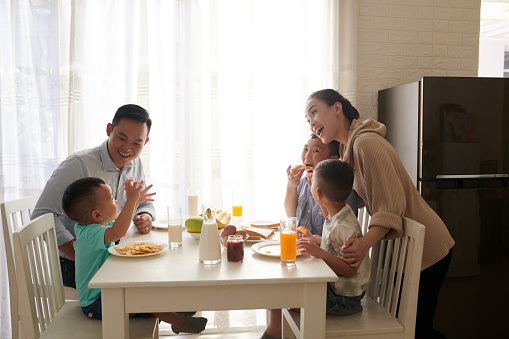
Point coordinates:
[[225, 83], [228, 81]]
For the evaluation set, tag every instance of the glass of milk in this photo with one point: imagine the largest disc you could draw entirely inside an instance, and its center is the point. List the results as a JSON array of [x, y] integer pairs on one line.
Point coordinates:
[[175, 225], [192, 203]]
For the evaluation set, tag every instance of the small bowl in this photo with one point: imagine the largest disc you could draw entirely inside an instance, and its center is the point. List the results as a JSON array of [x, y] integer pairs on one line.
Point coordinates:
[[196, 236], [223, 241]]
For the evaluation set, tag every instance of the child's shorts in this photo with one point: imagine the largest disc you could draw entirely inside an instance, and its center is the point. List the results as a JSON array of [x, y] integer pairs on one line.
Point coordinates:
[[340, 304], [94, 311]]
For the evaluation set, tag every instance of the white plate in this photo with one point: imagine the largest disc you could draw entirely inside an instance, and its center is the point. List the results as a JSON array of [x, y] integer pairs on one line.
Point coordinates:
[[249, 222], [113, 251], [268, 248], [160, 225], [164, 225]]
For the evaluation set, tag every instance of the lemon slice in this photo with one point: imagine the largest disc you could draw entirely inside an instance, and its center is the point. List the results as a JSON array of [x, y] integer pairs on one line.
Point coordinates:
[[302, 229]]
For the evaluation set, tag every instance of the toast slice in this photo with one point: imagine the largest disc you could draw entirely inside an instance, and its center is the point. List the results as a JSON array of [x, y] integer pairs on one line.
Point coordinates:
[[265, 224], [255, 237], [264, 233]]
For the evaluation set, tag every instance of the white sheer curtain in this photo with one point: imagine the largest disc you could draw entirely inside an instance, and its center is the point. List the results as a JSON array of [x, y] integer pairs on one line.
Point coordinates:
[[32, 128], [225, 83]]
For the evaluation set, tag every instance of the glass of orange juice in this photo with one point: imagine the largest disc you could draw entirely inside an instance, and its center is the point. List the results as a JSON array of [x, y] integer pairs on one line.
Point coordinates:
[[288, 240], [237, 205]]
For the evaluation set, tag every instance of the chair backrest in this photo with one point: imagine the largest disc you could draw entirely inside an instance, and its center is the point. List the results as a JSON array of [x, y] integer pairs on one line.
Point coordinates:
[[40, 288], [15, 213], [364, 218], [395, 273]]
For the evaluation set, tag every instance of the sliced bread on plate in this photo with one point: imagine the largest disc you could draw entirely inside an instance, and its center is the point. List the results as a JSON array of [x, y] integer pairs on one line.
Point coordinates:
[[254, 232], [264, 224]]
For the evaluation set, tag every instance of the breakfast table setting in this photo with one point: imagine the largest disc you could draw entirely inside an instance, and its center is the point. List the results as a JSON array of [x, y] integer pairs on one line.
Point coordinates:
[[178, 271]]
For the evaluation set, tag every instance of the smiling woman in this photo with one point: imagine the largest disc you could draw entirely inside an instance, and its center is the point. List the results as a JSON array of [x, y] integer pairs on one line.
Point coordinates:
[[224, 82]]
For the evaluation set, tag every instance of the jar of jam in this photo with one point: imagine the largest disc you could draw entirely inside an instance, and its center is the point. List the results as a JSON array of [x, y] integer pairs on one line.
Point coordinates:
[[235, 248]]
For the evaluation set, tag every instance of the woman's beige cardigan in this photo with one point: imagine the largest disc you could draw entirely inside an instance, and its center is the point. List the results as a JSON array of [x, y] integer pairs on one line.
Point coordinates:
[[387, 190]]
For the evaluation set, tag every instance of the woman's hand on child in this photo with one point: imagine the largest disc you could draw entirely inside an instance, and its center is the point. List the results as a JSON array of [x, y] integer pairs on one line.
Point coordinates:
[[353, 251]]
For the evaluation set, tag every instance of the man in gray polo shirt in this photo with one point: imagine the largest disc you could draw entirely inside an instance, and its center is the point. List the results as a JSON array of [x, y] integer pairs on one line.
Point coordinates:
[[115, 160]]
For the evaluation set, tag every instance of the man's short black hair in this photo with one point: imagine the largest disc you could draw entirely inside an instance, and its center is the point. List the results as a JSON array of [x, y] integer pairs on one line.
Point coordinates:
[[79, 200], [134, 112]]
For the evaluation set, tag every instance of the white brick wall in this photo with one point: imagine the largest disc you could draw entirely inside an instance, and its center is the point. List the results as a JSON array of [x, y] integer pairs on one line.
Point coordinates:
[[400, 41]]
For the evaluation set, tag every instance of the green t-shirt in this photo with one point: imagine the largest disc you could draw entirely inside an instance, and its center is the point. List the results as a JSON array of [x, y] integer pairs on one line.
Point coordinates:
[[91, 253]]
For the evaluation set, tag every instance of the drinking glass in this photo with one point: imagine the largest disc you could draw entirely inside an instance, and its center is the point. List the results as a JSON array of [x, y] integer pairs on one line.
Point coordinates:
[[192, 203], [175, 225], [288, 240], [237, 205]]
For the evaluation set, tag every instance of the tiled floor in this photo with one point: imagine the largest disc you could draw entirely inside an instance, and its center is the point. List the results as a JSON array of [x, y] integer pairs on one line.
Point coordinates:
[[250, 335], [225, 324]]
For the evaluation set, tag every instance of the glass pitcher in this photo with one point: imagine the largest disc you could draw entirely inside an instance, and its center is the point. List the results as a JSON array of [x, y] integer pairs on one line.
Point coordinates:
[[210, 245]]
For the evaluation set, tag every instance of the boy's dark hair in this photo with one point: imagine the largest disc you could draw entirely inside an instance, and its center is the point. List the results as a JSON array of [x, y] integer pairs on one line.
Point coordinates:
[[134, 112], [333, 145], [334, 178], [79, 200]]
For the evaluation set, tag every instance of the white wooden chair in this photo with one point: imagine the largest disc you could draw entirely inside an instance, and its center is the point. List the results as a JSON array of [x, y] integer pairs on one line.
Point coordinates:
[[16, 213], [44, 312], [364, 218], [390, 304]]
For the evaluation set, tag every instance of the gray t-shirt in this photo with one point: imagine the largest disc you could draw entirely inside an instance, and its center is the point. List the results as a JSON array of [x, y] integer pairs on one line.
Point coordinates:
[[94, 162]]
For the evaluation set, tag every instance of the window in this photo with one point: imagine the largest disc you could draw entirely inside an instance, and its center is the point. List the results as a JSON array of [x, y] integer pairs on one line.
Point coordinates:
[[225, 83]]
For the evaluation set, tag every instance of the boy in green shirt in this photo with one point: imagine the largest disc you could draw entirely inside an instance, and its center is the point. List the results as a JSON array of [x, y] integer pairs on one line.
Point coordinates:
[[89, 201]]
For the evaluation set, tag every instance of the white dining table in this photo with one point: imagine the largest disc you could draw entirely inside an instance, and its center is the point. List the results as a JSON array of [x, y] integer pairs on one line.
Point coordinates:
[[175, 280]]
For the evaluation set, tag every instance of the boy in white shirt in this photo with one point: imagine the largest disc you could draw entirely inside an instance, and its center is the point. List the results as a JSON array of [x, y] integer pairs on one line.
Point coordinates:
[[331, 185]]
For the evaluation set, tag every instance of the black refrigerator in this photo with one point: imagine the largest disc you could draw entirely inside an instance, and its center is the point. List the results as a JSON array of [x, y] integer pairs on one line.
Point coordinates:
[[452, 134]]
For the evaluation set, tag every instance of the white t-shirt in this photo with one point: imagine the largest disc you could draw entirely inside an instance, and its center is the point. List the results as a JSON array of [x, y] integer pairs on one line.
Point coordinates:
[[336, 231]]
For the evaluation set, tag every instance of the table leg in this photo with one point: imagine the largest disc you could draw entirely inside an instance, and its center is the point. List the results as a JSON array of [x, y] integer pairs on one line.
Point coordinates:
[[115, 323], [313, 316]]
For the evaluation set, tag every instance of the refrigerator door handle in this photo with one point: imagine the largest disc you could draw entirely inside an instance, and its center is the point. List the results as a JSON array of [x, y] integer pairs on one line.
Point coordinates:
[[471, 181], [472, 176]]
